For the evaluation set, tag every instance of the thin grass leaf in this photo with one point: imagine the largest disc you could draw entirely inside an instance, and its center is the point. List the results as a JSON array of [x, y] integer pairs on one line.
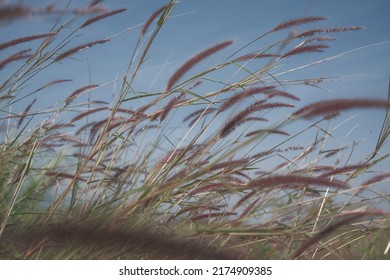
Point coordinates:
[[385, 130]]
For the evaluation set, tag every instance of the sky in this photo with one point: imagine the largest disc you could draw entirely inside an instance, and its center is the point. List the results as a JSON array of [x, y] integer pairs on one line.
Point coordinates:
[[196, 25]]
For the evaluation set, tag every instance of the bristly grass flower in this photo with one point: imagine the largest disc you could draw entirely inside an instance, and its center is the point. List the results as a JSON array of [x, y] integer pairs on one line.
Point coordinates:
[[186, 171]]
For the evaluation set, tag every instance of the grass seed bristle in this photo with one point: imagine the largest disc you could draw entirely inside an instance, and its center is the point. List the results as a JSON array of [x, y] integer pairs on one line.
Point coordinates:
[[376, 179], [155, 14], [306, 49], [284, 94], [17, 56], [169, 106], [87, 113], [272, 181], [296, 22], [243, 94], [102, 16], [78, 49], [25, 39], [336, 105], [194, 60], [344, 169], [24, 113], [78, 92], [240, 117]]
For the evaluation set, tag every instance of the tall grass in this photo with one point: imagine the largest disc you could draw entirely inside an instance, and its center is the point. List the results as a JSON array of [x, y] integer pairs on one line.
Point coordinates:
[[99, 180]]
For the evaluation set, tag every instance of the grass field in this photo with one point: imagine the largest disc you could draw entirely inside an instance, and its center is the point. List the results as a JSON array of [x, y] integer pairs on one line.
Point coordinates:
[[204, 168]]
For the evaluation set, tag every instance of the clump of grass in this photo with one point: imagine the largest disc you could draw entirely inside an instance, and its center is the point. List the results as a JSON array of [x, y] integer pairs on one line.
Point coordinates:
[[91, 179]]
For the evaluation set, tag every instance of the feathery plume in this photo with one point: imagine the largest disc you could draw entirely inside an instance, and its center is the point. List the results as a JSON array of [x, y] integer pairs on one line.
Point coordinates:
[[95, 9], [374, 180], [89, 112], [79, 91], [17, 56], [296, 22], [102, 16], [169, 106], [284, 94], [243, 94], [312, 32], [24, 113], [152, 18], [79, 48], [25, 39], [306, 49], [57, 82], [194, 60], [343, 169], [231, 164], [238, 119], [308, 33], [270, 181], [343, 29], [329, 106], [249, 119], [319, 39], [199, 112]]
